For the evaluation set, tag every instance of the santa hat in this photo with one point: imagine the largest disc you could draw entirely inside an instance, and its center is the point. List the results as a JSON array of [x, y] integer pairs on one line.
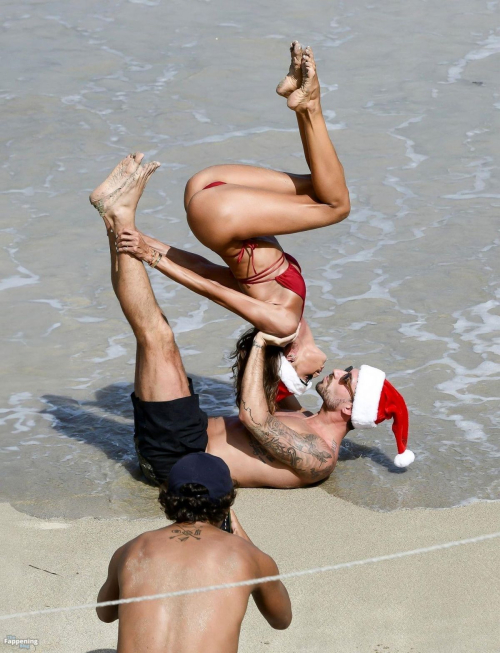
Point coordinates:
[[376, 400], [291, 383]]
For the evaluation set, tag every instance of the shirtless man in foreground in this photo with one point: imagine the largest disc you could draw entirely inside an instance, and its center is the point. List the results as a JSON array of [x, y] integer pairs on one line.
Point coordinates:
[[283, 450], [191, 552]]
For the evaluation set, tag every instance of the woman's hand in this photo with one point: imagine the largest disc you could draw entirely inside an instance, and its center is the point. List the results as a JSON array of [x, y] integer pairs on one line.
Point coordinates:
[[132, 242]]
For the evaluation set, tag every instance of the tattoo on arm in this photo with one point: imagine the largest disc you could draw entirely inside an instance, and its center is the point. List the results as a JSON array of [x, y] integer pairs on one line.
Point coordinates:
[[304, 453], [259, 451]]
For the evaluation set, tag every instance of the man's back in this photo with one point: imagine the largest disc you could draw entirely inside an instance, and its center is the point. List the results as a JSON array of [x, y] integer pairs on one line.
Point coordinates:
[[183, 556]]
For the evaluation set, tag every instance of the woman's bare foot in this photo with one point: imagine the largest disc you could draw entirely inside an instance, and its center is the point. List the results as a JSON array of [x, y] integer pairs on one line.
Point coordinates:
[[121, 213], [293, 79], [307, 97], [105, 195]]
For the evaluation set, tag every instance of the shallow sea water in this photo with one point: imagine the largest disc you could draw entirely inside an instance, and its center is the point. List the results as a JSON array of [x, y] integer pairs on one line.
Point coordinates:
[[408, 283]]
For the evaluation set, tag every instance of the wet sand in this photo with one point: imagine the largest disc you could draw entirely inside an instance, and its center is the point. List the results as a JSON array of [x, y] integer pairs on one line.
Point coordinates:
[[441, 602]]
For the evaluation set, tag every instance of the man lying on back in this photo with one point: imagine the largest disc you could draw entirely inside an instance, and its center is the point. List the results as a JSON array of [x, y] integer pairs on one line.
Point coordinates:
[[191, 552]]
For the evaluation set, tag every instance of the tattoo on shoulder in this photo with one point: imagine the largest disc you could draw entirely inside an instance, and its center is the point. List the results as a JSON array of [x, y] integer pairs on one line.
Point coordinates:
[[305, 453], [183, 534]]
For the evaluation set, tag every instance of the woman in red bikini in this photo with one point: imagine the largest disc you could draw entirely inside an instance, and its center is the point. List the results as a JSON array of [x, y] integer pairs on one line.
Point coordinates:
[[237, 211]]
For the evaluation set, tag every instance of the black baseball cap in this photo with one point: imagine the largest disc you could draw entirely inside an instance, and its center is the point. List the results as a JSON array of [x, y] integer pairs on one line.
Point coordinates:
[[203, 469]]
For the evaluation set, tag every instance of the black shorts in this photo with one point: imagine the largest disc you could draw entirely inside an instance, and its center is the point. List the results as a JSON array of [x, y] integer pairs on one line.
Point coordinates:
[[166, 431]]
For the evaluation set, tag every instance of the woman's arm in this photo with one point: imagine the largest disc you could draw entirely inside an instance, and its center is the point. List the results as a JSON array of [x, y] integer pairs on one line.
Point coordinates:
[[270, 318], [194, 262]]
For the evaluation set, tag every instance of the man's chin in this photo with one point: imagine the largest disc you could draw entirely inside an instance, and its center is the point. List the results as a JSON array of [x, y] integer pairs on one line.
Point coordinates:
[[319, 387]]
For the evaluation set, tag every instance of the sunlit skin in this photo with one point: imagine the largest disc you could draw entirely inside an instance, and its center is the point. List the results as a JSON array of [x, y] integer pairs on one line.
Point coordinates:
[[180, 556], [253, 204], [257, 204]]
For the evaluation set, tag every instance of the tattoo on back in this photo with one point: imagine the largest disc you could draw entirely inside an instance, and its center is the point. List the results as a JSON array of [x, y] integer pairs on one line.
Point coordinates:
[[305, 453], [183, 534]]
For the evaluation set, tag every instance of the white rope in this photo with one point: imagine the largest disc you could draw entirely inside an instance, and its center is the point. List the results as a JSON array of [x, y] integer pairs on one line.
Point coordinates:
[[257, 581]]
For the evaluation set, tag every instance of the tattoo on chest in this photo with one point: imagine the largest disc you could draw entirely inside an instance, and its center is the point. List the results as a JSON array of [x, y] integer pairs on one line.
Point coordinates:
[[183, 534]]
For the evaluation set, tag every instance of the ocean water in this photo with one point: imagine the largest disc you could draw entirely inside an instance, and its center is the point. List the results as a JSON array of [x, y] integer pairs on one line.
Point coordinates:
[[409, 283]]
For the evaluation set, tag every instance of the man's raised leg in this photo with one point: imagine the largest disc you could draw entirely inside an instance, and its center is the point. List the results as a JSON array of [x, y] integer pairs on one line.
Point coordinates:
[[160, 374]]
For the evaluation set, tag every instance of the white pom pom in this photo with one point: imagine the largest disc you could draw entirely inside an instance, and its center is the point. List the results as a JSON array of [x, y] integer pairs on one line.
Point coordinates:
[[404, 459]]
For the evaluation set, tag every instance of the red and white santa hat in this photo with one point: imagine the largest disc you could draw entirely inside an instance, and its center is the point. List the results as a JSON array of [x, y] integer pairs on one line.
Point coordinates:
[[376, 400]]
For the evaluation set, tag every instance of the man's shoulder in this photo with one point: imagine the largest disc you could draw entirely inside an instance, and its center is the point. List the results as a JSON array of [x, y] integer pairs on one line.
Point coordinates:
[[142, 540], [251, 556]]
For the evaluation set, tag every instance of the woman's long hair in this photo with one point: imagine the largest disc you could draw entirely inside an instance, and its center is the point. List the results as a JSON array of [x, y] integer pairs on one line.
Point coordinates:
[[271, 367]]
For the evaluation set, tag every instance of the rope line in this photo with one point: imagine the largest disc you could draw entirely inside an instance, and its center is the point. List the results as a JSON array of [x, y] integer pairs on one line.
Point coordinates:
[[258, 581]]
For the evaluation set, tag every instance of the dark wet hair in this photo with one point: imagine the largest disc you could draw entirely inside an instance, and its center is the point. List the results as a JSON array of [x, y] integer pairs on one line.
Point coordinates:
[[271, 367], [195, 504]]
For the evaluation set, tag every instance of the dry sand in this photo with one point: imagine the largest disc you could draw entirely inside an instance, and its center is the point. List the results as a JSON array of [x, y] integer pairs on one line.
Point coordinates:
[[440, 602]]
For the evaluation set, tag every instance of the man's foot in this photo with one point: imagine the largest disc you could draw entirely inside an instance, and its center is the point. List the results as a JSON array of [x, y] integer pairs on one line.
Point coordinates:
[[293, 79], [104, 196], [118, 207], [306, 97]]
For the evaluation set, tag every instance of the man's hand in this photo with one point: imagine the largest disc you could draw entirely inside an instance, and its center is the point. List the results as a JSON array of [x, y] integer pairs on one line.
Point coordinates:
[[263, 339], [237, 528]]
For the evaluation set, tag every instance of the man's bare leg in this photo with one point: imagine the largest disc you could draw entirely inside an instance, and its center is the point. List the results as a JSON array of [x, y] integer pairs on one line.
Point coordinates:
[[115, 183], [160, 374]]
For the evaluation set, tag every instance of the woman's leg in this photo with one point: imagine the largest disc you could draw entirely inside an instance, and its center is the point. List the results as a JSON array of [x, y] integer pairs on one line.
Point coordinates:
[[235, 211], [327, 173], [290, 83], [255, 177], [250, 176]]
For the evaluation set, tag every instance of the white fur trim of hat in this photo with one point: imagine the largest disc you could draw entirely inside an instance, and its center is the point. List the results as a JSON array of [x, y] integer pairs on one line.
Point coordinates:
[[290, 377], [367, 397]]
